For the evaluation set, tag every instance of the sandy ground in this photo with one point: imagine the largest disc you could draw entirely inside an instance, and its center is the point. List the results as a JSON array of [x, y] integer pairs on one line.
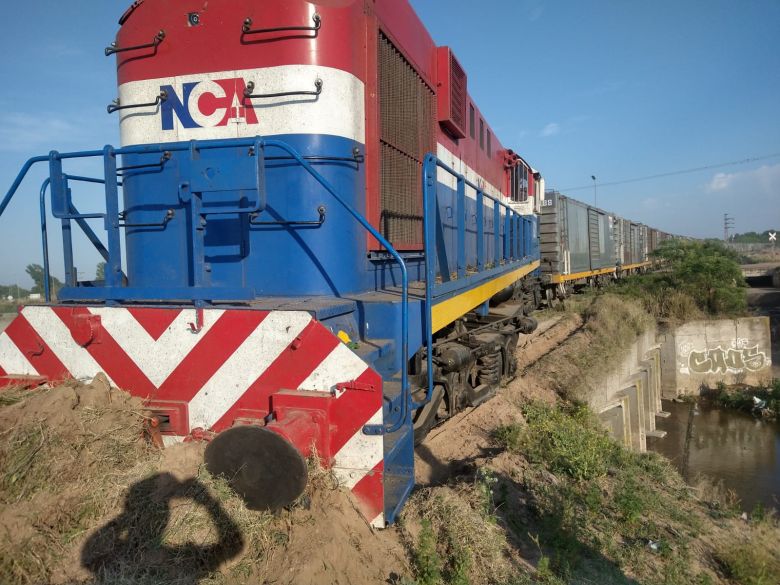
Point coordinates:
[[466, 439]]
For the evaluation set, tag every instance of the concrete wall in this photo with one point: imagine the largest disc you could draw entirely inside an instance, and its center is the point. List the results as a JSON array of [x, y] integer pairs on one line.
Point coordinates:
[[703, 353], [628, 399]]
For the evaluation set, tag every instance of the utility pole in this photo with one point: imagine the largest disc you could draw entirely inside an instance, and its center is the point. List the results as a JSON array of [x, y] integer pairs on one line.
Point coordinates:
[[728, 223], [595, 199]]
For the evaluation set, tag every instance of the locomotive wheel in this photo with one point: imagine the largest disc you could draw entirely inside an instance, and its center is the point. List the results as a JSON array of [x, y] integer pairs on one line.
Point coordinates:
[[260, 465]]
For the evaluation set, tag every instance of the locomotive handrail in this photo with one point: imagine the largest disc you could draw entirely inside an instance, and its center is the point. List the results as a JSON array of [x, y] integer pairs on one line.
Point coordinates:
[[430, 165], [405, 395], [112, 225]]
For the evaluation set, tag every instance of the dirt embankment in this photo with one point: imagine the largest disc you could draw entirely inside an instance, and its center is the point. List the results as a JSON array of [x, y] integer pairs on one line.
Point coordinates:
[[522, 489], [85, 499]]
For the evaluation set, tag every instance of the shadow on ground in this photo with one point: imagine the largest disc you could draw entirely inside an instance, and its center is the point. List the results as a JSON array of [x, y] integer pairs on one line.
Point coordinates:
[[131, 548]]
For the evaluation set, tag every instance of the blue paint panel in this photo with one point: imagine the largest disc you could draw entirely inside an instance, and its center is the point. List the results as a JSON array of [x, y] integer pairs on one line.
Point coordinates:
[[272, 260]]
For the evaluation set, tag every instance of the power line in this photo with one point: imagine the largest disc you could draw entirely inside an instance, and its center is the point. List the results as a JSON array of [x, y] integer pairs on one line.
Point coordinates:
[[672, 173]]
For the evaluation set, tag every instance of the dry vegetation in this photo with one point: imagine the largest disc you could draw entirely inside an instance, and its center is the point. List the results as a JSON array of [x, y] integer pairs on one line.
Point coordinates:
[[610, 325], [544, 497], [84, 499]]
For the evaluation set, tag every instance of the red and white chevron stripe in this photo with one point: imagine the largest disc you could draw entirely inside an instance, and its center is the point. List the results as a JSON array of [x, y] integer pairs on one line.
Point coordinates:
[[229, 370]]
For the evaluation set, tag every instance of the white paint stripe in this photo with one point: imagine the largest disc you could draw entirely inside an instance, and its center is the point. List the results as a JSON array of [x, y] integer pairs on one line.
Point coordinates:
[[12, 360], [171, 440], [341, 365], [247, 363], [339, 110], [461, 167], [379, 521], [57, 337], [359, 455], [155, 358]]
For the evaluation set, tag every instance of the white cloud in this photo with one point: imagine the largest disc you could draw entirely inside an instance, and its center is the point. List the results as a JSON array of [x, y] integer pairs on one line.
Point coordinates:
[[765, 179], [550, 130], [719, 182]]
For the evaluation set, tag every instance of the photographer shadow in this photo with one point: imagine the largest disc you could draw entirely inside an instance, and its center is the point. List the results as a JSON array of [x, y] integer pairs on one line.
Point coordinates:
[[132, 548]]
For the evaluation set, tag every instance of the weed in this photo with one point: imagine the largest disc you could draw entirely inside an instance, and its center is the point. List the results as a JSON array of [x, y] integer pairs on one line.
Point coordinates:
[[750, 564], [467, 540], [568, 442], [427, 561]]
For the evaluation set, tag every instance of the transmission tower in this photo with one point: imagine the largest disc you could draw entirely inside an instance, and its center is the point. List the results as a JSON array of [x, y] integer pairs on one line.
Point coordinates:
[[728, 223]]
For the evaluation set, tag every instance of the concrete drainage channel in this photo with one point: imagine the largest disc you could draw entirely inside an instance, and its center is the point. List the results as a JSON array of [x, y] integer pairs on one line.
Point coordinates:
[[675, 363]]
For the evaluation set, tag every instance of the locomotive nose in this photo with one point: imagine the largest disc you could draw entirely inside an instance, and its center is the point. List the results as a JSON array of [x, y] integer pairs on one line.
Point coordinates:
[[260, 465]]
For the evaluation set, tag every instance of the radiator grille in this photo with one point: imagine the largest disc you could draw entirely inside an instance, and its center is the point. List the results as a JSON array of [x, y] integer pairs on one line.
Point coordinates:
[[407, 109], [457, 93]]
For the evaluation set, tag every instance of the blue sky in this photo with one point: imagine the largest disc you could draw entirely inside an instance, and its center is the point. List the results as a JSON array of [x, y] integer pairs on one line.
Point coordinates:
[[614, 88]]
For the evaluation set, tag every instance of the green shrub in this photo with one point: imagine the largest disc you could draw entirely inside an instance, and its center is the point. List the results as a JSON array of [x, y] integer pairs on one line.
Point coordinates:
[[569, 442], [695, 277]]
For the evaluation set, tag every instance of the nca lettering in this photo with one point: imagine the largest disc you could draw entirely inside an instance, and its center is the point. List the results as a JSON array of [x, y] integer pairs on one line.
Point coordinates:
[[206, 104]]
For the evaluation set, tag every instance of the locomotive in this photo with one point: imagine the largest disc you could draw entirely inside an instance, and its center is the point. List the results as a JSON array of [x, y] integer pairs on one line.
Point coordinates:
[[315, 244]]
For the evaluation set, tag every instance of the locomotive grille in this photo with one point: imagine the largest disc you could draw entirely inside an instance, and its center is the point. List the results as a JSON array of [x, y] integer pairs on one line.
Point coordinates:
[[457, 93], [407, 109]]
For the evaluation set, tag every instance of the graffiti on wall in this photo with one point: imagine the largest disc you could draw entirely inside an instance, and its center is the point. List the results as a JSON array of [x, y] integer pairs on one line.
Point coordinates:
[[741, 357]]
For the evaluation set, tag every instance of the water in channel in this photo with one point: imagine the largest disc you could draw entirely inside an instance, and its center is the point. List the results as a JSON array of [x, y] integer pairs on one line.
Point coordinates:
[[727, 445]]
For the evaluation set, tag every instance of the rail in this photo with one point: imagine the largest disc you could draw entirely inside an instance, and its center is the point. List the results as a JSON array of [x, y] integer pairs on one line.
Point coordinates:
[[507, 248], [63, 209]]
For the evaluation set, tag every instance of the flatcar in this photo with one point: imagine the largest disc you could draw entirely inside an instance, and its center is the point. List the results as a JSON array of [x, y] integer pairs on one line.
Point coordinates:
[[315, 243]]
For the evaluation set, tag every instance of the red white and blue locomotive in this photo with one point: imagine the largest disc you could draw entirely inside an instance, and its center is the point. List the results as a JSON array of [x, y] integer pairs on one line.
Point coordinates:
[[314, 242]]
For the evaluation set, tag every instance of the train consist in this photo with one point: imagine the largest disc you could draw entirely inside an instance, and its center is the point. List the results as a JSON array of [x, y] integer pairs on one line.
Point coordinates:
[[314, 243], [581, 244]]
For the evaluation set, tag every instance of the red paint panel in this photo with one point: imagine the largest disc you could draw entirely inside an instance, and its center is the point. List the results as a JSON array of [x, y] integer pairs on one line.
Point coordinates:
[[217, 43], [398, 20], [354, 408], [109, 355], [35, 349], [154, 321], [287, 372], [369, 492], [218, 344], [3, 372]]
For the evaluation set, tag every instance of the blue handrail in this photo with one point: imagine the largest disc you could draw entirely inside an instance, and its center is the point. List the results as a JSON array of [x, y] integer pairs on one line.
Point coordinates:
[[509, 250], [113, 266]]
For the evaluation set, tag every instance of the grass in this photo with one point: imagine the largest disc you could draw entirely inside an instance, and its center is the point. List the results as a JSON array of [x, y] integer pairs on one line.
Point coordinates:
[[698, 279], [60, 479], [605, 505], [453, 535], [741, 398], [611, 325]]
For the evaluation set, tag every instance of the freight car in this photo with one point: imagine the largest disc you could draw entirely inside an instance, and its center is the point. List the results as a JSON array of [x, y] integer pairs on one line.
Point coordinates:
[[313, 242], [583, 245]]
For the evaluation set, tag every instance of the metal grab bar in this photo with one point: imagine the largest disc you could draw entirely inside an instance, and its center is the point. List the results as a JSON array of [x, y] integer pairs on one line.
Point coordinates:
[[246, 28], [115, 106], [250, 87], [158, 38]]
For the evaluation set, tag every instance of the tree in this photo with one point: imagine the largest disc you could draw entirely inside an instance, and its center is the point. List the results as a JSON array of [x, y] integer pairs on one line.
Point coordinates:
[[36, 273], [707, 271], [100, 271]]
